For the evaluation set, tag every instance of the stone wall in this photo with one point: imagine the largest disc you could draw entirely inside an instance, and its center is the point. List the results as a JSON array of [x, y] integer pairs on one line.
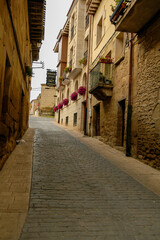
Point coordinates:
[[148, 95], [14, 85], [145, 97], [47, 101], [34, 106]]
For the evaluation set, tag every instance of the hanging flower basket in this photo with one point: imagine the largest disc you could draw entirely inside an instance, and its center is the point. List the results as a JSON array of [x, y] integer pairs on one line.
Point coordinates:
[[55, 108], [107, 60], [60, 105], [81, 90], [65, 101], [74, 96]]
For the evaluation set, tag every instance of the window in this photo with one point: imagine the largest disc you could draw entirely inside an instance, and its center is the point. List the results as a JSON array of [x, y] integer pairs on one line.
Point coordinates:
[[84, 80], [76, 86], [7, 80], [68, 93], [86, 48], [75, 119], [71, 56], [72, 26], [86, 21], [119, 47], [99, 31], [67, 118]]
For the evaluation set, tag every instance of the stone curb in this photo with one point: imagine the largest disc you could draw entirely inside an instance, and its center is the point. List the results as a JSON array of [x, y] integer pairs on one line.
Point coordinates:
[[15, 184]]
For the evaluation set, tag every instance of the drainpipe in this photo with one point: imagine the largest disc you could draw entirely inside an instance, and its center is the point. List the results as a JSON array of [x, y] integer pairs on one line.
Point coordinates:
[[87, 80], [129, 110]]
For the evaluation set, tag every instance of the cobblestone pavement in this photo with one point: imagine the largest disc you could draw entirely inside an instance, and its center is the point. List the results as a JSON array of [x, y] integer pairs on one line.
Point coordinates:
[[77, 194]]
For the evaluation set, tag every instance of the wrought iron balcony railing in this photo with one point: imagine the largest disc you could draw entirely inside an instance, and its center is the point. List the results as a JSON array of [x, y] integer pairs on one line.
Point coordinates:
[[119, 10], [72, 32], [87, 21], [101, 73], [86, 54], [139, 13]]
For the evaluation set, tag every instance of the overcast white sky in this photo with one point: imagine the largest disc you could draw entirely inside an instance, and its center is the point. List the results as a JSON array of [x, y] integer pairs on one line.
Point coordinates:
[[56, 12]]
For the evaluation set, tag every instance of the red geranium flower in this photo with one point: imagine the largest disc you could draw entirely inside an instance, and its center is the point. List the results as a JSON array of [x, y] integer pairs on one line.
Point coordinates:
[[74, 96], [60, 105], [55, 108], [81, 90], [65, 101]]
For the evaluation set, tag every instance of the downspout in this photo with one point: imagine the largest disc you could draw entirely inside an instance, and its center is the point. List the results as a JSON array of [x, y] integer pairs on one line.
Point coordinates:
[[87, 80], [129, 110]]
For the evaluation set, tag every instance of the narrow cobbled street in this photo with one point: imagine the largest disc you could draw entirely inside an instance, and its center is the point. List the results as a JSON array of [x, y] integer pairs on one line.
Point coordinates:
[[77, 194]]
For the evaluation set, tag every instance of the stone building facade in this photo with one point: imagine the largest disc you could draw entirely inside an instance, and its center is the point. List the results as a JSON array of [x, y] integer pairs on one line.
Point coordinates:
[[72, 47], [122, 102], [48, 98], [18, 48], [128, 116], [33, 106]]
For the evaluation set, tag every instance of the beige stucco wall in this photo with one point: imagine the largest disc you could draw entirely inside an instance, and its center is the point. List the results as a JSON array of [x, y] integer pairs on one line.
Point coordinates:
[[73, 106], [77, 43], [48, 99], [108, 29]]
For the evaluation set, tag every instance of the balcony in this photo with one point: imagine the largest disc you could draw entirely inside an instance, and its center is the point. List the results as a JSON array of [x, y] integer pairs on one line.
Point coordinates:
[[101, 81], [59, 85], [93, 6], [75, 70], [136, 16], [66, 80]]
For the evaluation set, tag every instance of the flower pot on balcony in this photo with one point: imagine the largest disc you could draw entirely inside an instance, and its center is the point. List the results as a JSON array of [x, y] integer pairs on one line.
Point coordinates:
[[74, 96], [108, 81], [119, 11], [83, 61], [61, 79], [55, 108], [60, 105], [65, 101], [68, 69], [107, 60], [81, 90]]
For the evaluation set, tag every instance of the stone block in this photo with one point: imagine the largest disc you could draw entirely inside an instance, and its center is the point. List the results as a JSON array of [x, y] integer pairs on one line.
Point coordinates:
[[4, 131]]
